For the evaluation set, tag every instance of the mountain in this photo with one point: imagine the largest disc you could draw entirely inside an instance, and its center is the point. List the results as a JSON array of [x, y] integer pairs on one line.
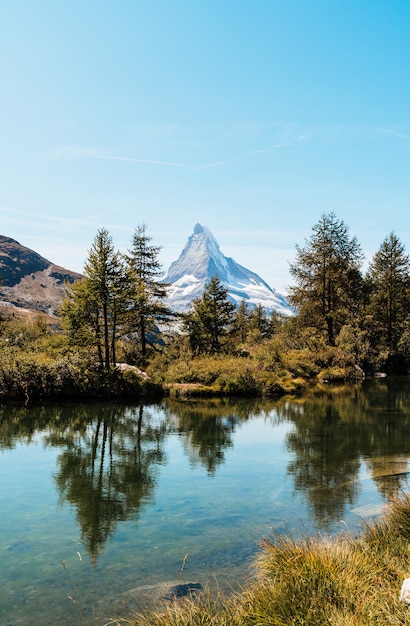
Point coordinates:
[[29, 280], [200, 260]]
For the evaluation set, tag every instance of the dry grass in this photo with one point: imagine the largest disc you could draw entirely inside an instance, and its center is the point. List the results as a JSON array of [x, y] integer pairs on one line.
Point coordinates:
[[342, 581]]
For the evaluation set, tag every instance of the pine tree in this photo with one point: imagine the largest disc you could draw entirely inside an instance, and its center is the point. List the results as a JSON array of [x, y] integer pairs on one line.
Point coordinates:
[[389, 305], [90, 312], [210, 321], [261, 323], [328, 286], [148, 292], [242, 321]]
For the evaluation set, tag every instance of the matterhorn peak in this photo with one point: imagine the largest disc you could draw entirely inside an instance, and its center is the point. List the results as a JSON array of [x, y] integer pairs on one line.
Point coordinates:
[[205, 232], [201, 257], [201, 260], [198, 228]]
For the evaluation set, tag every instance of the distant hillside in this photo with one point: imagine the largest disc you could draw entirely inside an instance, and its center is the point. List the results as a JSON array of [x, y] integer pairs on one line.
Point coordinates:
[[29, 280]]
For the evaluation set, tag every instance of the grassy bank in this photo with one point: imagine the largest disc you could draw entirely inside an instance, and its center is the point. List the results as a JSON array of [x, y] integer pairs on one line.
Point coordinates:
[[343, 581], [269, 370], [37, 377]]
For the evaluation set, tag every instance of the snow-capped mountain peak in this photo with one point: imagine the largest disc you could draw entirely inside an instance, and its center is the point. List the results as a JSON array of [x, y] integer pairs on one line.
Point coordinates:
[[201, 257], [200, 260]]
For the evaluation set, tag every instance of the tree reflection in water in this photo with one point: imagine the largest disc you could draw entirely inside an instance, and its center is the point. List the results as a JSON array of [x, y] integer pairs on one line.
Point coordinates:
[[108, 469], [207, 426], [338, 428], [206, 431]]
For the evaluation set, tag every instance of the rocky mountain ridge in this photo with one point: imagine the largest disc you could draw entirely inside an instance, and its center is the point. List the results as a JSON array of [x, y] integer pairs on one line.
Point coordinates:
[[30, 281], [200, 260]]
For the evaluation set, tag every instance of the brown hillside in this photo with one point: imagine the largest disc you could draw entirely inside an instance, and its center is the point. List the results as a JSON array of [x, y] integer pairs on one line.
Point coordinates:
[[29, 280]]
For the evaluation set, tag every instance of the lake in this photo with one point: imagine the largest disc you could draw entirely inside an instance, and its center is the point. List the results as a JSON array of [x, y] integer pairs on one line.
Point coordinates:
[[102, 503]]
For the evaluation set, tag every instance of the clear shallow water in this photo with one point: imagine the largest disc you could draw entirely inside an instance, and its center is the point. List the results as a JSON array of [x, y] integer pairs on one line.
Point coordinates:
[[97, 500]]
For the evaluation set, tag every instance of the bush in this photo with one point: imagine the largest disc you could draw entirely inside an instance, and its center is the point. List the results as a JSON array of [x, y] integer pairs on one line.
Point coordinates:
[[239, 383], [31, 379]]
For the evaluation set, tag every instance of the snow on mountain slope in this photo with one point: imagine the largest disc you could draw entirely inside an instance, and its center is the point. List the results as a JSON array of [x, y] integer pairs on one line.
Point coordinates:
[[200, 260]]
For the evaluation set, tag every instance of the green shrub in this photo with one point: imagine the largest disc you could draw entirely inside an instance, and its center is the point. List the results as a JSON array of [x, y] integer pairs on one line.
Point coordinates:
[[33, 378], [239, 383], [332, 374]]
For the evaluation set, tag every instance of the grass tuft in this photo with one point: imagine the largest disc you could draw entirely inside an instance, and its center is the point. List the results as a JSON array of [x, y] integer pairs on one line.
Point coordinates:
[[341, 581]]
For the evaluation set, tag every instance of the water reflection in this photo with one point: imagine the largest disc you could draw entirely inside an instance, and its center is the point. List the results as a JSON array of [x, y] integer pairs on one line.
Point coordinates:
[[207, 426], [108, 470], [110, 455], [337, 429], [326, 455], [206, 433]]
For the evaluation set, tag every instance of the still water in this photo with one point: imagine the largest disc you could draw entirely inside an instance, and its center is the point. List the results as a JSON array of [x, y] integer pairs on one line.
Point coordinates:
[[97, 500]]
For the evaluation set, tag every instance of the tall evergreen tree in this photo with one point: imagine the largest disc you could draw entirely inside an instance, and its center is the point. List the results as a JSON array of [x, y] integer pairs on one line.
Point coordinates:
[[261, 322], [242, 321], [328, 289], [90, 312], [148, 292], [389, 306], [210, 321]]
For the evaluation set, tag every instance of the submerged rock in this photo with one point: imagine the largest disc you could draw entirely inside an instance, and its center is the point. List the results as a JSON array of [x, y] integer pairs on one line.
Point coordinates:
[[368, 510], [183, 590], [152, 596]]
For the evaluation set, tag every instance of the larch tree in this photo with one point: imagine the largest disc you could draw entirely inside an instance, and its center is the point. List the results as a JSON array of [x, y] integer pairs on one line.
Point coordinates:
[[260, 322], [147, 307], [90, 311], [389, 301], [328, 289]]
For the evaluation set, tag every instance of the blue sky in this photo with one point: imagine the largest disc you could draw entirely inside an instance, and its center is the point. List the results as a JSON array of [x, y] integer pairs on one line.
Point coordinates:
[[252, 118]]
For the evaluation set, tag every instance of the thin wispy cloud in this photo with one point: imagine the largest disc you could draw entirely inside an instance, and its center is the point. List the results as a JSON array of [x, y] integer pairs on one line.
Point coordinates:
[[132, 160], [288, 135], [52, 226], [90, 153], [394, 133], [214, 164], [38, 219], [241, 157]]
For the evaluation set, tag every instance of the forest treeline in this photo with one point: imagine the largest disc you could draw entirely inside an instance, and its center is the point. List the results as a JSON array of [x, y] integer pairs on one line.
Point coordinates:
[[348, 323]]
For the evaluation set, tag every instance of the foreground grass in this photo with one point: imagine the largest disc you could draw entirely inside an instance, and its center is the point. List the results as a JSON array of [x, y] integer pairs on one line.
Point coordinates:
[[342, 581]]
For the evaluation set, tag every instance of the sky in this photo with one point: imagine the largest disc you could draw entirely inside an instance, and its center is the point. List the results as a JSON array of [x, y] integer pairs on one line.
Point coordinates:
[[252, 118]]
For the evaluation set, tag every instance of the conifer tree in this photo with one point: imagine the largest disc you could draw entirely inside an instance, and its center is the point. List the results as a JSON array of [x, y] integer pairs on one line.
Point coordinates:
[[261, 322], [148, 292], [90, 312], [210, 320], [328, 290], [242, 321], [389, 303]]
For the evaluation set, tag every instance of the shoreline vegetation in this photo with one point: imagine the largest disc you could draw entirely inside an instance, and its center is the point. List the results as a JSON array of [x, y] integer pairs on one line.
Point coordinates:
[[45, 368], [343, 580]]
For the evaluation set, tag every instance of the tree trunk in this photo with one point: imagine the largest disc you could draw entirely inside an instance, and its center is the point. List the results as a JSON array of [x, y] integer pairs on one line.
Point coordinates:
[[106, 337]]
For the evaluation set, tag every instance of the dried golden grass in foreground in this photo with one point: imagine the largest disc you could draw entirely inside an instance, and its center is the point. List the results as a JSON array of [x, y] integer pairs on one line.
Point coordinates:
[[342, 581]]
